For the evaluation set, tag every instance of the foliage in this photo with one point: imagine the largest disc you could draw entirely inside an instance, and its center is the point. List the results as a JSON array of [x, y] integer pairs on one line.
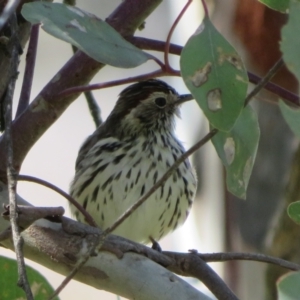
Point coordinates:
[[280, 5], [8, 280], [85, 31], [288, 286]]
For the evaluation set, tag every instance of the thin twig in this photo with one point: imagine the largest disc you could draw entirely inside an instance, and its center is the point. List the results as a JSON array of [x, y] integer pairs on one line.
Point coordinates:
[[29, 69], [264, 80], [219, 257], [97, 86], [206, 15], [276, 89], [11, 173], [8, 10], [167, 45], [227, 256], [94, 108], [88, 218]]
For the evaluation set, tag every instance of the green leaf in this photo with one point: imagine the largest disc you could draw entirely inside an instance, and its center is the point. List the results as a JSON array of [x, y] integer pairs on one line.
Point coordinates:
[[280, 5], [9, 290], [290, 44], [294, 211], [215, 75], [291, 116], [237, 150], [288, 287], [85, 31]]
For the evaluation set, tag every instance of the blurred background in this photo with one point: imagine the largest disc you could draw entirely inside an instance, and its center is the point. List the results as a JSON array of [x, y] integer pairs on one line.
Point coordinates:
[[218, 221]]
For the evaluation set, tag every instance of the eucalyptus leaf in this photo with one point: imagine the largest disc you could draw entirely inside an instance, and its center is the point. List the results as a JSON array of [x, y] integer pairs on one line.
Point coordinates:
[[215, 74], [88, 33], [291, 116], [290, 44], [294, 211], [280, 5], [237, 150], [39, 285], [288, 287]]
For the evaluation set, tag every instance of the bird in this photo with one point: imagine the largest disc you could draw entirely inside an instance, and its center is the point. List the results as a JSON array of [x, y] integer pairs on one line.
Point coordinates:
[[126, 155]]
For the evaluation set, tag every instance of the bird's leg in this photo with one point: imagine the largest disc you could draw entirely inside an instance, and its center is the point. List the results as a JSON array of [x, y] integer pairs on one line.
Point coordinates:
[[155, 244]]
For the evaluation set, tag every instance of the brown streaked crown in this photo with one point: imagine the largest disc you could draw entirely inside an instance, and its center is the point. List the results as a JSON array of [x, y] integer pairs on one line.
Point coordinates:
[[130, 97]]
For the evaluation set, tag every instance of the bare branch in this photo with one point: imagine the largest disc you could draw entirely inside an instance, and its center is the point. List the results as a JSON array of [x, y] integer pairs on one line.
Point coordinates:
[[29, 70], [222, 256], [11, 173], [192, 264], [167, 45], [213, 257]]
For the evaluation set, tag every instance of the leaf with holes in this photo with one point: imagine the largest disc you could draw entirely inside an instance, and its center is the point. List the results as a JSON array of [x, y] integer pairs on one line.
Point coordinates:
[[291, 116], [280, 5], [85, 31], [237, 150], [40, 287], [214, 73], [290, 44], [288, 287]]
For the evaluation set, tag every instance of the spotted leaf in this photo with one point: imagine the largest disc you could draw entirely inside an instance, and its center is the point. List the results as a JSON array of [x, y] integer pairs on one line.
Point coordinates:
[[280, 5], [237, 150], [291, 40], [215, 75]]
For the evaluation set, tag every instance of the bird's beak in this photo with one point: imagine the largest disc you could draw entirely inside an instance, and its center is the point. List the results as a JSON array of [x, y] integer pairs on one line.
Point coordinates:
[[184, 98]]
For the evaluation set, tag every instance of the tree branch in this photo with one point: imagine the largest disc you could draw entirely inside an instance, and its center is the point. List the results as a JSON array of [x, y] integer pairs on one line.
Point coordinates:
[[221, 257], [11, 174], [61, 246]]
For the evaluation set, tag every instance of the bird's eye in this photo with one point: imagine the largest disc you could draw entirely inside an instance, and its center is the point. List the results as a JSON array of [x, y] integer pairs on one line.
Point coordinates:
[[160, 102]]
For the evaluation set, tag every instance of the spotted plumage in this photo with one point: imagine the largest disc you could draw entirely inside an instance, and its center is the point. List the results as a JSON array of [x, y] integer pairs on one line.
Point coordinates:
[[126, 155]]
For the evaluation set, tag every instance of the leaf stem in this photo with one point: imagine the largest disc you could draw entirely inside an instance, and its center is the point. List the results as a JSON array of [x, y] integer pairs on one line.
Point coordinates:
[[167, 44], [89, 219]]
